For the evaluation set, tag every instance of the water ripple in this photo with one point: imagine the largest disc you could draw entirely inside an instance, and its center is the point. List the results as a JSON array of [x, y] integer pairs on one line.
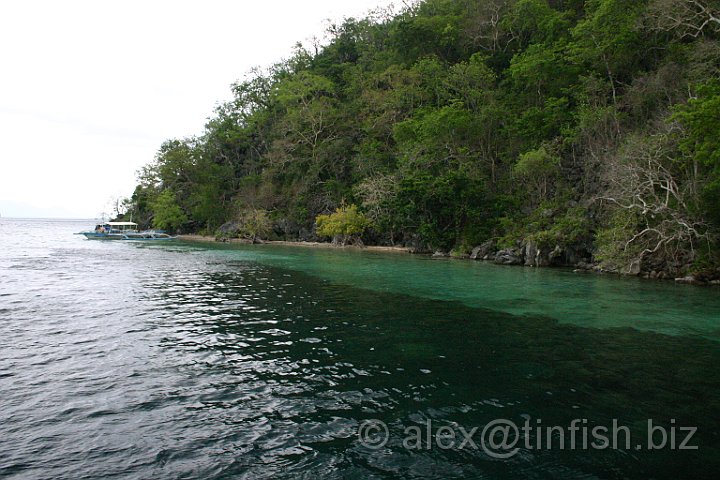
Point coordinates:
[[177, 362]]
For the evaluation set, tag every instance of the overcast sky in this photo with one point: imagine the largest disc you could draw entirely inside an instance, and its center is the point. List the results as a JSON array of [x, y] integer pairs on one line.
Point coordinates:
[[90, 89]]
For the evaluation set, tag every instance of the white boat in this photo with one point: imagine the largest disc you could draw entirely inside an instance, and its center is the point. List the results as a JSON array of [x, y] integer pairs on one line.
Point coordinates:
[[124, 231]]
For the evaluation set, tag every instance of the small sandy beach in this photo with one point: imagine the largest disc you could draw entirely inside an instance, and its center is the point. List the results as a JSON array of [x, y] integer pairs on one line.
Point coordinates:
[[371, 248]]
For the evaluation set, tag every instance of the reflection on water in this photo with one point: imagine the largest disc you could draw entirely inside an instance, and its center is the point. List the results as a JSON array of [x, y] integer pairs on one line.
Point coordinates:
[[184, 362]]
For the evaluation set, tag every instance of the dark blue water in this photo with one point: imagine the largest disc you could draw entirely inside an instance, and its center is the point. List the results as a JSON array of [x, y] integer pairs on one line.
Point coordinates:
[[202, 361]]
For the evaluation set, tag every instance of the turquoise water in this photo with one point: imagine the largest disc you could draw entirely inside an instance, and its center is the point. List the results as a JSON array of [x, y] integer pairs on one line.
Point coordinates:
[[583, 299], [191, 360]]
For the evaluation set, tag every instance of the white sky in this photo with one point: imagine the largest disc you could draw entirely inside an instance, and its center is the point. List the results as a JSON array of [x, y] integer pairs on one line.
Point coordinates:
[[90, 89]]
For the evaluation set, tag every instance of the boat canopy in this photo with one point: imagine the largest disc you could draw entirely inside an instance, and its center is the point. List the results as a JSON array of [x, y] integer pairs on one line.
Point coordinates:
[[121, 224]]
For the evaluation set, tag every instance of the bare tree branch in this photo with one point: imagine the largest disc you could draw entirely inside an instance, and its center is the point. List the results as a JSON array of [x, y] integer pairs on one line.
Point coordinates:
[[686, 18], [641, 183]]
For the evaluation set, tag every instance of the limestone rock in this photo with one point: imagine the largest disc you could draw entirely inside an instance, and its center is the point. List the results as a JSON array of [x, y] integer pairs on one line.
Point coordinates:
[[229, 228], [531, 253], [689, 280], [483, 251], [509, 256], [634, 268]]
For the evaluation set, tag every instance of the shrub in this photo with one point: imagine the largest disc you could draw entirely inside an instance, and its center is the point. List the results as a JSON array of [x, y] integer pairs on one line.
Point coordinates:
[[253, 223], [345, 224]]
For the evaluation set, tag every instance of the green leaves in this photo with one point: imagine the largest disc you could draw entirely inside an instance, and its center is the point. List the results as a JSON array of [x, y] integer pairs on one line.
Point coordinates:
[[538, 168], [470, 83], [608, 40], [701, 118], [535, 22], [700, 141], [168, 214], [301, 88], [435, 30], [444, 208], [542, 71], [445, 130]]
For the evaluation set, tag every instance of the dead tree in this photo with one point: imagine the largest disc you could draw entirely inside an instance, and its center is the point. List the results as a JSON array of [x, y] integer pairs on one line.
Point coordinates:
[[686, 18], [485, 29], [642, 182]]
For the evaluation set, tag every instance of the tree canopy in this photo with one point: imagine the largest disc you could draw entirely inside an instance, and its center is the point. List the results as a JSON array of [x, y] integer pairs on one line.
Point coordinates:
[[453, 122]]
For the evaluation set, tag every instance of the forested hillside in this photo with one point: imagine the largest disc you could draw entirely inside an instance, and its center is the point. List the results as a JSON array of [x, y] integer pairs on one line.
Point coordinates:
[[557, 132]]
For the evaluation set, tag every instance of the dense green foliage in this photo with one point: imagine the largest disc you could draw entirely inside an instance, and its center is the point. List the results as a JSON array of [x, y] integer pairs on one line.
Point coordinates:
[[455, 121], [168, 214]]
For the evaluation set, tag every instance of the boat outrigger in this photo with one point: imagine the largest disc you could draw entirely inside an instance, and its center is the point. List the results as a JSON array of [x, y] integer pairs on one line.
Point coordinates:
[[124, 231]]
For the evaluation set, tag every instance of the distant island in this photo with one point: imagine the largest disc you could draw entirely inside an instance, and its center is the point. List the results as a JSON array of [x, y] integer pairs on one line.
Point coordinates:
[[569, 133]]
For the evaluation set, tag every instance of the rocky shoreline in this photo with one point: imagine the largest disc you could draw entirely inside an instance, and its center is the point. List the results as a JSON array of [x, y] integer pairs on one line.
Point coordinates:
[[528, 254]]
